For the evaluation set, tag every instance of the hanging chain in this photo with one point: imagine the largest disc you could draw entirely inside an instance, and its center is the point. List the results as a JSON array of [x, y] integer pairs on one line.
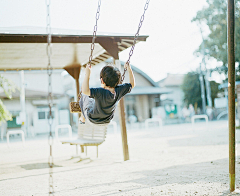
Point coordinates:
[[50, 99], [94, 32], [135, 39]]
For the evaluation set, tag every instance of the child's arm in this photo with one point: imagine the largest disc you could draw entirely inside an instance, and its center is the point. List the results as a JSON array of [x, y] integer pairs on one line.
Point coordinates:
[[85, 85], [130, 73]]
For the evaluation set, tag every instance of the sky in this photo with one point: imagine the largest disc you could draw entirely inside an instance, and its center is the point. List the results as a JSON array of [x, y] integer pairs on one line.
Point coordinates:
[[173, 38]]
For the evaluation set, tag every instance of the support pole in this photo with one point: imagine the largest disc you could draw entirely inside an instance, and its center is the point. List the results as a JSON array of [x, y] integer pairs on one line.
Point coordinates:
[[123, 121], [23, 103], [74, 69], [231, 93], [77, 72], [208, 89], [202, 91], [123, 130], [207, 75]]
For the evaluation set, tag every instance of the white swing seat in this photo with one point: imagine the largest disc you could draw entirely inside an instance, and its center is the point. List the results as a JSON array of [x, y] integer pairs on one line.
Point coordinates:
[[83, 142], [88, 135]]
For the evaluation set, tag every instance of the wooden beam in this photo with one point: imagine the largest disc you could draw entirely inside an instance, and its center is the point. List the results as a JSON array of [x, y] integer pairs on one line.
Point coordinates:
[[43, 39], [18, 38], [27, 68], [110, 46]]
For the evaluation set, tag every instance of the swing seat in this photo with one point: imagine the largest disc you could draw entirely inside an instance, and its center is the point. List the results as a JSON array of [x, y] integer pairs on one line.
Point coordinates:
[[88, 135]]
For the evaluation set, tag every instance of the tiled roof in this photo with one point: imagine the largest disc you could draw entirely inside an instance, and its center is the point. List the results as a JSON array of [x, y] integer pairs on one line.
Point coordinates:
[[172, 80], [149, 90]]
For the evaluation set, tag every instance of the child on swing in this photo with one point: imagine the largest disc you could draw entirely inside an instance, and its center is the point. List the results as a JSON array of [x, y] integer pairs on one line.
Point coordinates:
[[98, 104]]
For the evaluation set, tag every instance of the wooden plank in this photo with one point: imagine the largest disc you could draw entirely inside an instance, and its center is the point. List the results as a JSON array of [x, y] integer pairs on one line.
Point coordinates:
[[121, 48], [105, 55]]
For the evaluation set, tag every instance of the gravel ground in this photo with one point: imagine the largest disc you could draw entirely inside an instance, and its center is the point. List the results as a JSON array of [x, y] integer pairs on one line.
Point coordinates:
[[172, 160]]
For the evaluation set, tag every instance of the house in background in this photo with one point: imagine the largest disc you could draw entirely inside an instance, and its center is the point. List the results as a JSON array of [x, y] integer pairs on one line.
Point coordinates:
[[173, 101], [144, 97], [35, 84]]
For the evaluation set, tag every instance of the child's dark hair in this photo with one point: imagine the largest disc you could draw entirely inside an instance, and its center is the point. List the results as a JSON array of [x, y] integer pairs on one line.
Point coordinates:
[[110, 75]]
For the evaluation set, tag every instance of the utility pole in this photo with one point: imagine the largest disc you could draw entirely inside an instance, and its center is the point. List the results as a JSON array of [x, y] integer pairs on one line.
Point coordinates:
[[202, 90], [208, 88], [206, 74]]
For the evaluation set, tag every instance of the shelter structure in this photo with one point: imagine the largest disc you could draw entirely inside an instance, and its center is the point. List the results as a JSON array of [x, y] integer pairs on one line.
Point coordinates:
[[24, 48]]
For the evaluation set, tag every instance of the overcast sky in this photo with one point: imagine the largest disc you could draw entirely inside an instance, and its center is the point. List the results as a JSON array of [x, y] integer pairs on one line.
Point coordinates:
[[172, 37]]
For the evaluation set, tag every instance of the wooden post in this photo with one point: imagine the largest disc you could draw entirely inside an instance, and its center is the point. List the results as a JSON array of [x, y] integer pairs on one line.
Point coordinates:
[[123, 122], [123, 130], [74, 70], [231, 92]]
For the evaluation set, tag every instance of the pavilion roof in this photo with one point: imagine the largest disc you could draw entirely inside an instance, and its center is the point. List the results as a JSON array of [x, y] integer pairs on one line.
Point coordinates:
[[24, 48]]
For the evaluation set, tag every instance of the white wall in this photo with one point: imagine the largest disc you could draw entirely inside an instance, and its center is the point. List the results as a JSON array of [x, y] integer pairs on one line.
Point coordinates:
[[37, 80]]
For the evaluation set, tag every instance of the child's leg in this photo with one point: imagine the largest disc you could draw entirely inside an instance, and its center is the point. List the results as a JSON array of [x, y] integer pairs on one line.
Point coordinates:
[[82, 119], [84, 104]]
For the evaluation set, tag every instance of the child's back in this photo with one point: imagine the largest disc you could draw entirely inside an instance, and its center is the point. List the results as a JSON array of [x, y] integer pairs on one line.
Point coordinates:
[[98, 104]]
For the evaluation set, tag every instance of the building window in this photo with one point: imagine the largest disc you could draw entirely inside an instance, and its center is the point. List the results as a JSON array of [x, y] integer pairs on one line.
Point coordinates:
[[43, 112], [44, 115], [41, 115], [157, 101]]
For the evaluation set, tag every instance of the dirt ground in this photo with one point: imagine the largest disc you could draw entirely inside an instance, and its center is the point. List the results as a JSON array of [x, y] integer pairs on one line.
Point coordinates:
[[171, 160]]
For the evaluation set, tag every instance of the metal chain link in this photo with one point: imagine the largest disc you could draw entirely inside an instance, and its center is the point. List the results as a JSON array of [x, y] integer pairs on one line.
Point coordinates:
[[135, 39], [94, 32], [50, 99]]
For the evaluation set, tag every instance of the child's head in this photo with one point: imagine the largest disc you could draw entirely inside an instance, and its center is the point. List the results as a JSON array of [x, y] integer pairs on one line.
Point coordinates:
[[110, 75]]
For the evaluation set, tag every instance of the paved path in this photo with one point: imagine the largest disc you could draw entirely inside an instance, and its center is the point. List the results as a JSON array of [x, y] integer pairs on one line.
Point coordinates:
[[173, 160]]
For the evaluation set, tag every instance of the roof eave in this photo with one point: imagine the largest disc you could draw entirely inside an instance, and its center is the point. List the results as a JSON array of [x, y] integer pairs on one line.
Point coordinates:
[[60, 38]]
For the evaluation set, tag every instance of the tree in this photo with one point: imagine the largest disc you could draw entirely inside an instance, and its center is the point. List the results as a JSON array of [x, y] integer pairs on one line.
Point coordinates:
[[8, 88], [192, 90], [215, 17], [214, 90]]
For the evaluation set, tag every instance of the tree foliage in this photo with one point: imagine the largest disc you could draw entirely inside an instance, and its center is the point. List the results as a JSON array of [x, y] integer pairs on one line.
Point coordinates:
[[8, 88], [192, 89], [215, 17], [214, 90]]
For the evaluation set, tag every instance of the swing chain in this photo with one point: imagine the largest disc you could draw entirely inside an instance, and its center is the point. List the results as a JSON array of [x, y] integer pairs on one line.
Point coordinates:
[[94, 32], [135, 39], [50, 98]]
